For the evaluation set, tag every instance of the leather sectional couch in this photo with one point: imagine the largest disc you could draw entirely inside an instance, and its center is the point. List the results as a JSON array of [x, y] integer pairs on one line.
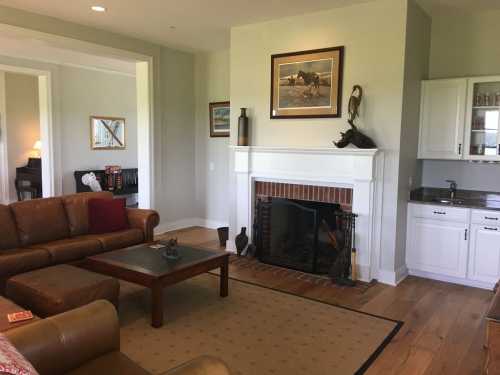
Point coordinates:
[[87, 341], [44, 232]]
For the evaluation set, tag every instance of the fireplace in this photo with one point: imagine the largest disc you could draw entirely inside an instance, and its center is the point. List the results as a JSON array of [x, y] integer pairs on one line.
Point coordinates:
[[303, 235], [351, 178]]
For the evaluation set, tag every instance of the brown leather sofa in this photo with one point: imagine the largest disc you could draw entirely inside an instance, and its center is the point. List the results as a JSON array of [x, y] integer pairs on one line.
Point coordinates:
[[43, 232], [87, 341]]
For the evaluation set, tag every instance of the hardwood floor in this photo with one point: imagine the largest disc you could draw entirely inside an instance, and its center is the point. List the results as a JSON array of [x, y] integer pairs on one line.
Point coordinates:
[[443, 331]]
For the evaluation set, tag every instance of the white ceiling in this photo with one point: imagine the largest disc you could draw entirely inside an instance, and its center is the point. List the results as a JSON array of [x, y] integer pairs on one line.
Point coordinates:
[[201, 24]]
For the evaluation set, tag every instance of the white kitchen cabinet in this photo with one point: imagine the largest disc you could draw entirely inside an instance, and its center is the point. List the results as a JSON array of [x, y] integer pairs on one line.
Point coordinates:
[[454, 244], [442, 116], [482, 125], [484, 247], [438, 246]]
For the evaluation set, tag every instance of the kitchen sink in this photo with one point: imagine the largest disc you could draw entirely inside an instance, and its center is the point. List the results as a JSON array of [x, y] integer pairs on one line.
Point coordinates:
[[449, 201]]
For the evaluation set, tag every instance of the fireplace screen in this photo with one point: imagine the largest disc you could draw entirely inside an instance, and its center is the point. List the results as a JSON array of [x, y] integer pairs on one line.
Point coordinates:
[[298, 234]]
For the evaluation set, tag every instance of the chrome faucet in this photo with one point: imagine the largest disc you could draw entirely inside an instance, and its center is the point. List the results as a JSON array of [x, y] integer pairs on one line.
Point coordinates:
[[453, 188]]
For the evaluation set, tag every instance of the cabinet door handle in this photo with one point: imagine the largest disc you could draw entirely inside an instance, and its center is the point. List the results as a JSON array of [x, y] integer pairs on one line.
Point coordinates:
[[465, 235], [498, 149], [459, 149], [488, 228], [490, 218], [440, 212]]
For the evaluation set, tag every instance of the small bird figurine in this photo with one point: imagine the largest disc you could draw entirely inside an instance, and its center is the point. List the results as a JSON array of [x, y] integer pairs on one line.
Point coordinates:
[[354, 103]]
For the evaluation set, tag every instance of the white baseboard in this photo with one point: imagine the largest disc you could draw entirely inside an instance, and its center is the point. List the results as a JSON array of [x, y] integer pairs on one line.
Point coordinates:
[[176, 225], [363, 272], [189, 222], [453, 280], [212, 224], [392, 277]]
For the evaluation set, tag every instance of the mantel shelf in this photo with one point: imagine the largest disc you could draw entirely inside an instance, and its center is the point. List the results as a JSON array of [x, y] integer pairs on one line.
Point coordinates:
[[307, 150]]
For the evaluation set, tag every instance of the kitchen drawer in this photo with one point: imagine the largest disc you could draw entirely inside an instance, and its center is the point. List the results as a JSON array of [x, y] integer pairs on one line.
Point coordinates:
[[486, 217], [456, 214]]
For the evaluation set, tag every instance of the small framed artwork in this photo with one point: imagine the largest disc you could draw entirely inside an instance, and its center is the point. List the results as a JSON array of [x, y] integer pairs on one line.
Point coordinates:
[[107, 133], [307, 84], [219, 119]]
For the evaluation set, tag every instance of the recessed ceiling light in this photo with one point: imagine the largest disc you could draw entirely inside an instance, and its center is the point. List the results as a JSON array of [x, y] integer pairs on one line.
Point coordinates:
[[98, 8]]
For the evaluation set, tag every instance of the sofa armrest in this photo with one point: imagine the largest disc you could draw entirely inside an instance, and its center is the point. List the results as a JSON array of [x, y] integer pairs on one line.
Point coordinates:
[[146, 220], [64, 342], [204, 365]]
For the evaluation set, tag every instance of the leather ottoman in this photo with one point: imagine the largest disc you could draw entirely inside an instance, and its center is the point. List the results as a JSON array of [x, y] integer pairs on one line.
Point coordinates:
[[53, 290]]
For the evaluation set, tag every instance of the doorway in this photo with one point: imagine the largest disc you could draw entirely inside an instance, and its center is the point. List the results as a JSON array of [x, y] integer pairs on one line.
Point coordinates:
[[31, 94], [50, 121]]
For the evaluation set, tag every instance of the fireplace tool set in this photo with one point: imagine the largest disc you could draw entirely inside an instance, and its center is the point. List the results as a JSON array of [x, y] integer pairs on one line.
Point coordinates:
[[343, 269]]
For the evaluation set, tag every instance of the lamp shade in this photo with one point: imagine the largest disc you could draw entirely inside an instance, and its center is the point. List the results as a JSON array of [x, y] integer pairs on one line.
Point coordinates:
[[37, 145]]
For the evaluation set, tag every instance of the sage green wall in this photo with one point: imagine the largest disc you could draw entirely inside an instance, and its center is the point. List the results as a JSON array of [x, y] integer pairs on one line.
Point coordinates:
[[173, 72], [178, 136], [418, 38], [465, 44], [86, 93], [212, 154], [374, 38]]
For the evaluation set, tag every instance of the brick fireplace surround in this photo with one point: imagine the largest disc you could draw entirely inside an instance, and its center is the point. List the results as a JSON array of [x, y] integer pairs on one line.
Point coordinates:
[[324, 194]]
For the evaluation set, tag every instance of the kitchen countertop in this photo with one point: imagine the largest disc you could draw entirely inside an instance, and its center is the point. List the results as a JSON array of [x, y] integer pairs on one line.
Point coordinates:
[[485, 200]]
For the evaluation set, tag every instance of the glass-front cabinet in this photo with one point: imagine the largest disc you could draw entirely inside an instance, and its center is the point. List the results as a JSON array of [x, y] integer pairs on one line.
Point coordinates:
[[482, 127]]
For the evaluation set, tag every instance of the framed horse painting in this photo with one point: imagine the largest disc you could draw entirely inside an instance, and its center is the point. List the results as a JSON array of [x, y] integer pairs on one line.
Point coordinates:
[[307, 84]]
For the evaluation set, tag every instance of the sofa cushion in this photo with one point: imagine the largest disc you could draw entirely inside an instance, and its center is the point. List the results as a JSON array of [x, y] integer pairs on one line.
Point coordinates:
[[117, 240], [71, 249], [40, 220], [14, 261], [106, 215], [113, 363], [8, 238], [77, 210]]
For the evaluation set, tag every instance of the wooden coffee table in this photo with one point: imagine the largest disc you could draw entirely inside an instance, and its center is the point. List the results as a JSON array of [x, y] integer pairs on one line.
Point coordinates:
[[147, 267]]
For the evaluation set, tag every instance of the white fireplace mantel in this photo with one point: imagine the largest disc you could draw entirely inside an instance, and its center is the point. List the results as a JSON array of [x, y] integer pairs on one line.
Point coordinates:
[[360, 169]]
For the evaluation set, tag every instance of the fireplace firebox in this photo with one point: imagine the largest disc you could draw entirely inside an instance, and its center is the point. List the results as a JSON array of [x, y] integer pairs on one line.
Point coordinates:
[[304, 235]]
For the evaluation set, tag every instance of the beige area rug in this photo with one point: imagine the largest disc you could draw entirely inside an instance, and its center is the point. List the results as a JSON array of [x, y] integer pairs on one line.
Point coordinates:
[[256, 330]]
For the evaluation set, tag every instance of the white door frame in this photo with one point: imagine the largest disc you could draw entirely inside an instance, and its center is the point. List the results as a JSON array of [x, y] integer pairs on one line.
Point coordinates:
[[4, 164], [145, 133], [49, 125]]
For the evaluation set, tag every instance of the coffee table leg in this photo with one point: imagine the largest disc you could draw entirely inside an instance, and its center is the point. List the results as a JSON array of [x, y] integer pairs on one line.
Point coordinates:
[[224, 278], [157, 306]]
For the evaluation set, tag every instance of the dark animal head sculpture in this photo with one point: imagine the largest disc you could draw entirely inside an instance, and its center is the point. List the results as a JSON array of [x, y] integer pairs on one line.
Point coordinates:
[[353, 135]]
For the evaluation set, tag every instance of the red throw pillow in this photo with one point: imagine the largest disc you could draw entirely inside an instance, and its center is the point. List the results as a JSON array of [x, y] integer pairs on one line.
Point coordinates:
[[107, 215]]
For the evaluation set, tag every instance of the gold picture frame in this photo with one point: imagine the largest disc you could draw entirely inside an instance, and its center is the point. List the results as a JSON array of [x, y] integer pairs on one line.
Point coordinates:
[[107, 133]]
